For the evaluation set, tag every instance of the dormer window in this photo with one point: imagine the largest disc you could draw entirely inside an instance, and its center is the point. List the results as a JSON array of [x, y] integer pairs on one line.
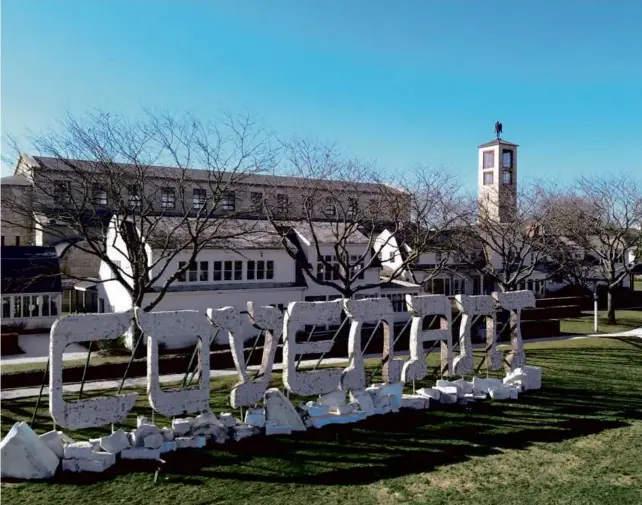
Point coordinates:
[[489, 159], [134, 198], [99, 195], [507, 158], [62, 193], [330, 208], [168, 198]]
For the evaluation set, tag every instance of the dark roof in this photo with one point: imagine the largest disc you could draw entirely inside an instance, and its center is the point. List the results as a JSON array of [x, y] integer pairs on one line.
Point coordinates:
[[183, 288], [231, 234], [327, 232], [496, 142], [195, 174], [30, 270]]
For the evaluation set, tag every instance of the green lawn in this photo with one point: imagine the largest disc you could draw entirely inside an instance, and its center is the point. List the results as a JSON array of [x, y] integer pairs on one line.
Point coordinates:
[[577, 441], [626, 320]]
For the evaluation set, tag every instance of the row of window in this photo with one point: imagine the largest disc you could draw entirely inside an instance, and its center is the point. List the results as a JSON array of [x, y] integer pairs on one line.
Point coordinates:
[[62, 195], [537, 286], [29, 306], [437, 286], [507, 177], [507, 159], [199, 271], [329, 269]]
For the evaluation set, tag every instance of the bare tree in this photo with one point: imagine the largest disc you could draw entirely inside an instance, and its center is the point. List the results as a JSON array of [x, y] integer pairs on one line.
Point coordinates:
[[507, 250], [599, 215], [350, 216], [102, 183]]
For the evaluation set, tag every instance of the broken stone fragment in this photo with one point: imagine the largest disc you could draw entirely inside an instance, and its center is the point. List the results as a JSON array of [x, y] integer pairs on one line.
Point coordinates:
[[143, 431], [534, 375], [25, 456], [241, 431], [153, 441], [272, 428], [449, 384], [227, 420], [115, 442], [140, 453], [219, 434], [464, 385], [431, 393], [70, 465], [279, 409], [332, 399], [481, 385], [168, 434], [205, 419], [255, 417], [364, 400], [416, 402], [342, 409], [320, 421], [314, 409], [501, 393], [181, 427], [447, 398], [198, 442], [183, 442], [53, 440], [78, 450]]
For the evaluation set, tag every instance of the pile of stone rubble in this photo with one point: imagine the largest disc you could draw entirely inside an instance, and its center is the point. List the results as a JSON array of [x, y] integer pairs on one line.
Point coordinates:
[[26, 455]]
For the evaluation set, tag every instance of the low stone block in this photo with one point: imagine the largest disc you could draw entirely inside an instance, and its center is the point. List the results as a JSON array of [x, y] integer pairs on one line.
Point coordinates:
[[448, 398], [116, 442], [464, 385], [183, 442], [481, 385], [182, 427], [449, 390], [168, 434], [143, 431], [449, 384], [499, 393], [219, 435], [241, 431], [78, 450], [314, 409], [205, 419], [534, 375], [415, 402], [98, 462], [342, 409], [198, 442], [70, 465], [272, 428], [364, 400], [168, 446], [153, 441], [140, 453], [255, 417], [53, 440], [227, 420]]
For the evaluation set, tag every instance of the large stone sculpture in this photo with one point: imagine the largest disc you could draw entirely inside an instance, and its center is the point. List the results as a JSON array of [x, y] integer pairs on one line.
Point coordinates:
[[162, 327], [421, 307], [514, 302], [298, 315], [92, 412], [370, 310], [246, 391]]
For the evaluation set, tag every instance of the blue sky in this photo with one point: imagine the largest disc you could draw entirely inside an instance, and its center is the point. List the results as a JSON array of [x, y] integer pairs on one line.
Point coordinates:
[[400, 83]]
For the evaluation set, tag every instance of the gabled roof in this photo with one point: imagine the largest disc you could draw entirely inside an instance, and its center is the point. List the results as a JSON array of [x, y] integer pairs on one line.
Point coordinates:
[[30, 270], [497, 142]]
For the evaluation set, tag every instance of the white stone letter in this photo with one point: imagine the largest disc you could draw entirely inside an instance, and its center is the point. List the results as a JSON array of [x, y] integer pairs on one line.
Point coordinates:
[[421, 307], [298, 315], [162, 327], [471, 306], [369, 310], [515, 301], [93, 412]]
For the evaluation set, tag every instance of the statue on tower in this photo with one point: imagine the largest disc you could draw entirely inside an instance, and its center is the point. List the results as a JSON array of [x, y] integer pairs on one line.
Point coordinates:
[[499, 129]]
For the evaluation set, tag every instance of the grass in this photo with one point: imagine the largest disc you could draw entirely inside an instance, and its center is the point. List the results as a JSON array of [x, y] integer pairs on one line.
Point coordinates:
[[577, 441], [626, 320]]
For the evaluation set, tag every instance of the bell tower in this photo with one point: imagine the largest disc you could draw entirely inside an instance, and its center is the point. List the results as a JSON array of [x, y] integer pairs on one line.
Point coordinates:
[[497, 178]]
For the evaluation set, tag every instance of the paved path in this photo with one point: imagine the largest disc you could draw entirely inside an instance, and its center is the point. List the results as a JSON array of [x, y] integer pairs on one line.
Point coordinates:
[[141, 382]]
